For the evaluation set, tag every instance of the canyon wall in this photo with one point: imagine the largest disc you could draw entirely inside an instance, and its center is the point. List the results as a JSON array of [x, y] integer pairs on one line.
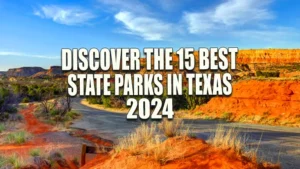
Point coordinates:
[[269, 56]]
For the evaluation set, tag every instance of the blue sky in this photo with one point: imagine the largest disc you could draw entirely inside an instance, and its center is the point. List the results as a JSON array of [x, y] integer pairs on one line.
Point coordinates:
[[32, 32]]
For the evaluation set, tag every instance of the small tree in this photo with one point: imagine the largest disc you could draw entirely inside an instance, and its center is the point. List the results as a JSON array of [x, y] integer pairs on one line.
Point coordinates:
[[47, 106]]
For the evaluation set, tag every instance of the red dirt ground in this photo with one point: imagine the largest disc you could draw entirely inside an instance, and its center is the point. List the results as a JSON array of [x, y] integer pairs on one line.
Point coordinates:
[[276, 100], [33, 125], [183, 154], [94, 139], [47, 140]]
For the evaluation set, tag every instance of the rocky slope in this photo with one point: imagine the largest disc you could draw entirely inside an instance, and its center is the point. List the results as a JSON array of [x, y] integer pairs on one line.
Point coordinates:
[[269, 56], [53, 71], [35, 72], [275, 102], [23, 71]]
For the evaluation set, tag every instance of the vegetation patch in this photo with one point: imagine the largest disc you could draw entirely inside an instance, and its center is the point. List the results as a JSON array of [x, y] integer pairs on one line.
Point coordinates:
[[19, 137], [267, 74]]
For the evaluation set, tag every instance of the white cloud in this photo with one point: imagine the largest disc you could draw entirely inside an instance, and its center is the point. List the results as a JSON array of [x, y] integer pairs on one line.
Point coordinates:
[[146, 27], [227, 15], [19, 54], [64, 15]]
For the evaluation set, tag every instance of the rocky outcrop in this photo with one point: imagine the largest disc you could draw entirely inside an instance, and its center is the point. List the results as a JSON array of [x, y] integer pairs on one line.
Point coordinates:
[[24, 71], [54, 71], [259, 101], [269, 56], [42, 74]]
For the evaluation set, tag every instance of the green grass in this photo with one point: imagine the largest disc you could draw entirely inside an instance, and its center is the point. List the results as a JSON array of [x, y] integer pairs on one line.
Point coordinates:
[[17, 137], [35, 152], [3, 162], [2, 128], [71, 115], [15, 161]]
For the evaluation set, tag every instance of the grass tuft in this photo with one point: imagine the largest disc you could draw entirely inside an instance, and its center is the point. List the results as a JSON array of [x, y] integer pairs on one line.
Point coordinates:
[[227, 139], [15, 161], [2, 128], [143, 135], [171, 128], [17, 137], [35, 152]]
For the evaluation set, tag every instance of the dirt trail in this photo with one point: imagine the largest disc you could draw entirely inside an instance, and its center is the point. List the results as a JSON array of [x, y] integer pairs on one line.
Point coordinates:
[[47, 139], [33, 125]]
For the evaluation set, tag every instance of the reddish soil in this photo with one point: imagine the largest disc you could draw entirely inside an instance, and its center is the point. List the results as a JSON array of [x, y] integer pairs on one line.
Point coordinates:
[[259, 101], [269, 56], [33, 125], [47, 140], [92, 138], [184, 154]]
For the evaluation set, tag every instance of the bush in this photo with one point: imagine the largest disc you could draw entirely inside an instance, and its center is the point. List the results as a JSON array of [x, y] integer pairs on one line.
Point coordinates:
[[94, 100], [106, 101], [15, 161], [71, 115], [11, 109], [25, 100], [2, 162], [2, 128], [35, 152], [17, 137], [267, 74]]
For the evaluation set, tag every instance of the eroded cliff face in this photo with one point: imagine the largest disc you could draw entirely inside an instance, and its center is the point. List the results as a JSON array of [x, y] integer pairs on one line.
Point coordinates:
[[24, 71], [258, 101], [269, 56], [55, 70], [52, 72]]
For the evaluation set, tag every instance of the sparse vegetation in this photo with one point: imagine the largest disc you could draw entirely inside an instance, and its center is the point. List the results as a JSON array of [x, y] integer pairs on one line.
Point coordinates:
[[227, 139], [267, 74], [17, 137], [2, 162], [143, 135], [150, 136], [171, 128], [2, 128], [226, 116], [15, 161], [35, 152]]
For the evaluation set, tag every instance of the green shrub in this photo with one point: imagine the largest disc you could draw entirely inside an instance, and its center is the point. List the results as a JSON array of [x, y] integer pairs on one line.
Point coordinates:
[[106, 101], [17, 137], [94, 100], [2, 128], [71, 115], [11, 109], [15, 161], [267, 74], [25, 100], [3, 162], [35, 152]]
